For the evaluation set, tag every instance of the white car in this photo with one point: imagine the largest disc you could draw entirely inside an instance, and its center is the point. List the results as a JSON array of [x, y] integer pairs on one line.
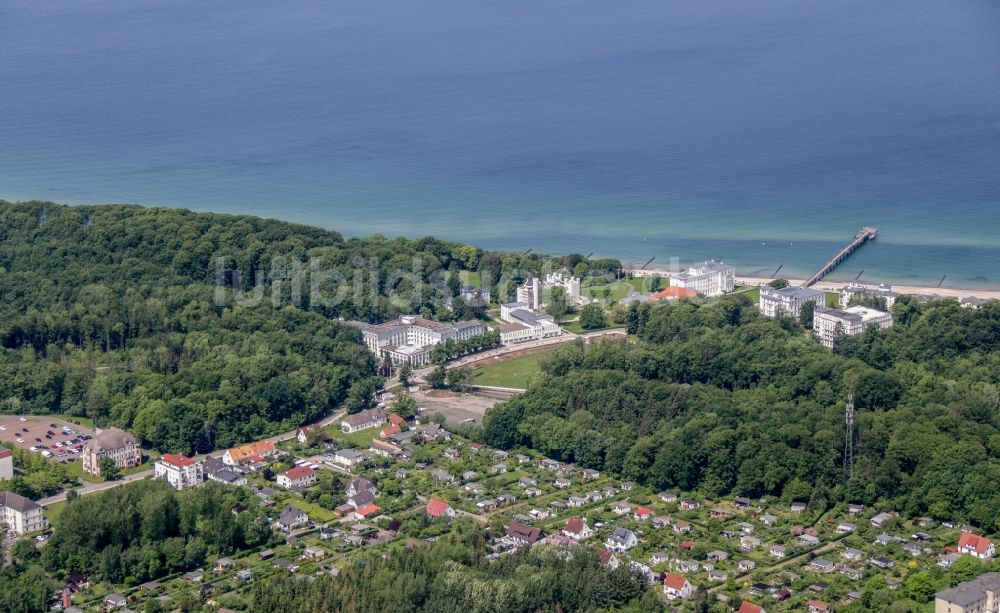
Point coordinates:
[[3, 427], [24, 419], [32, 448], [47, 453]]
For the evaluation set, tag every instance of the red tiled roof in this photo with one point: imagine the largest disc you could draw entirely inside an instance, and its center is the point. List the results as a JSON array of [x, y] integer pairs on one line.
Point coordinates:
[[979, 544], [688, 544], [258, 448], [299, 472], [819, 604], [367, 510], [391, 430], [574, 525], [436, 507], [605, 556], [396, 420], [674, 581], [642, 511], [5, 453], [176, 459], [749, 607], [674, 292]]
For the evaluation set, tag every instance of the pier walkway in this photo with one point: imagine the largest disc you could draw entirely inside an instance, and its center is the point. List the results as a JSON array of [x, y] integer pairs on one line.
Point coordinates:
[[863, 236]]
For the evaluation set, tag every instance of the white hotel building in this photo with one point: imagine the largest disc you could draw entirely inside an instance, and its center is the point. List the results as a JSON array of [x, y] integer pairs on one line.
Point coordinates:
[[411, 338], [521, 325], [788, 300], [20, 515], [829, 323], [711, 278]]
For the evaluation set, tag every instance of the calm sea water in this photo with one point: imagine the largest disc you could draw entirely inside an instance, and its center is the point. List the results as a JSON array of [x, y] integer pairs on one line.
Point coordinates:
[[763, 133]]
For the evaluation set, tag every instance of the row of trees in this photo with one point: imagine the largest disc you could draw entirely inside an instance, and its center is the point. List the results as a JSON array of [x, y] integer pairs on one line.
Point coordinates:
[[717, 399]]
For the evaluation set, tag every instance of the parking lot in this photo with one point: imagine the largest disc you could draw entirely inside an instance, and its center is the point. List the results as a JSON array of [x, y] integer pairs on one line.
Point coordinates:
[[53, 438]]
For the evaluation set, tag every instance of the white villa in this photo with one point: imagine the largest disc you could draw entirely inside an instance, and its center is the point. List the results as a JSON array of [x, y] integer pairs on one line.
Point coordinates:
[[788, 300], [362, 420], [411, 338], [531, 292], [710, 278], [851, 290], [829, 323]]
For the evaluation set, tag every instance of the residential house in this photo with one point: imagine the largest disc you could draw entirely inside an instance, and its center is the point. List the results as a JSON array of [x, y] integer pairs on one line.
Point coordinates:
[[845, 527], [976, 546], [808, 540], [818, 606], [366, 511], [668, 497], [549, 464], [562, 483], [442, 476], [249, 453], [777, 551], [882, 562], [469, 475], [577, 529], [621, 508], [855, 509], [115, 601], [749, 607], [853, 555], [769, 520], [439, 508], [642, 514], [742, 502], [452, 454], [879, 520], [746, 566], [822, 565], [520, 535], [718, 513], [485, 506], [527, 482], [291, 518], [689, 504], [798, 507], [498, 469], [298, 477], [749, 543], [531, 492], [474, 488], [627, 486], [621, 540], [302, 436], [717, 556], [659, 557], [348, 458], [682, 527], [357, 485], [677, 587], [384, 449], [368, 418], [608, 558], [589, 474], [576, 501]]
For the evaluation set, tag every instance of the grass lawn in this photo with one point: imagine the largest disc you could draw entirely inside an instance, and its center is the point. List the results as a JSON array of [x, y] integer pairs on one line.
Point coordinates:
[[315, 512], [362, 438], [515, 372], [751, 291], [833, 300], [470, 277], [53, 511], [575, 327]]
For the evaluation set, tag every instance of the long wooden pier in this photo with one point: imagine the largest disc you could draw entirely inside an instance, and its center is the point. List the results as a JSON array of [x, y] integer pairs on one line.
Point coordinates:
[[863, 236]]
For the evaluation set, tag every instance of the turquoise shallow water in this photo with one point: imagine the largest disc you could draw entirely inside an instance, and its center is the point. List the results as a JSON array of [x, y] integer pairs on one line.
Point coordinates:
[[634, 129]]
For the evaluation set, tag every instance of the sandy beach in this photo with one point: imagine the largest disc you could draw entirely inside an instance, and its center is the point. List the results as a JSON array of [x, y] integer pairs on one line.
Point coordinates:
[[940, 292]]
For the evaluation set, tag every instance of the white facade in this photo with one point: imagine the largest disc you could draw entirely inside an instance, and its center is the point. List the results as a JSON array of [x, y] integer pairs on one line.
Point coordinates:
[[300, 476], [711, 278], [368, 418], [6, 464], [531, 293], [829, 323], [411, 338], [180, 472], [20, 515], [883, 291], [521, 325], [788, 300]]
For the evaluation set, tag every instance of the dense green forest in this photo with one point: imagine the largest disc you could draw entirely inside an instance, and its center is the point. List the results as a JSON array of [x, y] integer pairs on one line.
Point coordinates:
[[132, 534], [716, 398], [114, 313], [453, 574]]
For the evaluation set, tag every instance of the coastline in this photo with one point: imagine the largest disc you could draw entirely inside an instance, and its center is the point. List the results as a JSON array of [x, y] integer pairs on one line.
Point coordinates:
[[915, 290]]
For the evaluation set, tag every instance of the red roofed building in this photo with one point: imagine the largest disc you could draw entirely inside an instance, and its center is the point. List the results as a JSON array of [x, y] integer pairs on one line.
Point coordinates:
[[689, 545], [179, 471], [236, 455], [974, 545], [749, 607], [439, 508], [577, 529], [300, 476], [642, 513], [674, 293], [818, 606], [386, 432], [608, 558], [677, 586], [396, 420], [365, 511]]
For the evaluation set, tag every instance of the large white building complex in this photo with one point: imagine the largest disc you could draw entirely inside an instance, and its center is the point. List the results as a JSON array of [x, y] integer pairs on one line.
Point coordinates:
[[411, 338], [532, 292], [179, 471], [521, 325], [710, 278], [788, 300], [849, 291], [829, 323], [20, 515]]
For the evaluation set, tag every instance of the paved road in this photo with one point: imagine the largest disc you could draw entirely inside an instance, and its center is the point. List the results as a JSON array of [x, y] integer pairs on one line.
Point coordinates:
[[90, 488]]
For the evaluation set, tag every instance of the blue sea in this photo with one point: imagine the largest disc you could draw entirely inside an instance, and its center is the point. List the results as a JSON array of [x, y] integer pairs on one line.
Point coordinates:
[[762, 133]]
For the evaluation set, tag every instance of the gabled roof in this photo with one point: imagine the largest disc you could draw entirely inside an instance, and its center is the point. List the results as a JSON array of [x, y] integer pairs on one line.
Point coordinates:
[[396, 420], [17, 502], [749, 607], [979, 544], [674, 292], [528, 533], [299, 472], [574, 525], [367, 510], [436, 507], [244, 452], [675, 581]]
